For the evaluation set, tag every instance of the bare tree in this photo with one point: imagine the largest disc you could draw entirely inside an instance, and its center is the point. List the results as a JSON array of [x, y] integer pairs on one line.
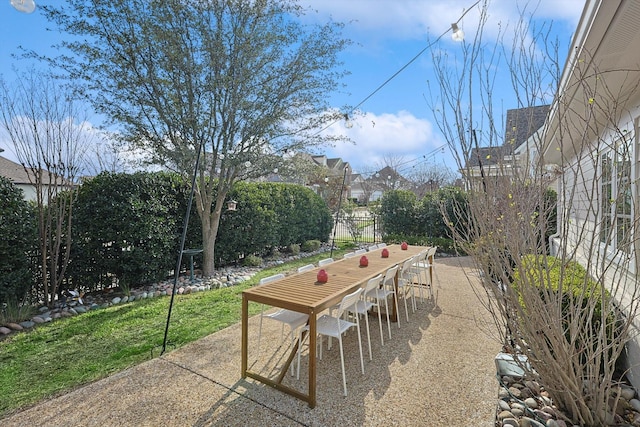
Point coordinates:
[[428, 177], [571, 327], [243, 81], [50, 138]]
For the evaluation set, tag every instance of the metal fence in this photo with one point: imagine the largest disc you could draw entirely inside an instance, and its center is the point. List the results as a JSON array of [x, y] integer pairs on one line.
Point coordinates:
[[361, 229]]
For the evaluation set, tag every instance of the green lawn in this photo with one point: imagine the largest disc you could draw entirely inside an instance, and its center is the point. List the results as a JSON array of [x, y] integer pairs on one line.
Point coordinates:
[[62, 355]]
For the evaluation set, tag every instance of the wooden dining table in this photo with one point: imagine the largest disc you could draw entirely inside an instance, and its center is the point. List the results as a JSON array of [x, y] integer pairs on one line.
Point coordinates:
[[302, 292]]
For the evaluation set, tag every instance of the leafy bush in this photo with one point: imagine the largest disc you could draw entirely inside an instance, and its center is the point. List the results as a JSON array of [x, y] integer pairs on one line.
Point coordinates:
[[126, 227], [294, 248], [580, 294], [404, 218], [397, 212], [270, 216], [311, 245], [18, 232], [252, 261]]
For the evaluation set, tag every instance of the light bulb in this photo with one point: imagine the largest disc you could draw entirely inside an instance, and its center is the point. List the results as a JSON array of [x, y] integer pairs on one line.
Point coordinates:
[[26, 6], [457, 34]]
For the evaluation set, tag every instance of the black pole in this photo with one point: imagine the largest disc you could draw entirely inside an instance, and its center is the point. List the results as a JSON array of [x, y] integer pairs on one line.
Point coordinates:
[[475, 138], [335, 227], [185, 224]]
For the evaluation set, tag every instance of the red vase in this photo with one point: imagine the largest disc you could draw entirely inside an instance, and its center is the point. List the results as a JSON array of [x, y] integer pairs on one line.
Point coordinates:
[[385, 253], [323, 277], [404, 246], [364, 261]]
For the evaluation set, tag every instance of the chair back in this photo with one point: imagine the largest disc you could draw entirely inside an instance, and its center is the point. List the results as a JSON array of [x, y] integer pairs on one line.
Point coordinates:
[[382, 245], [373, 283], [390, 276], [431, 253], [349, 254], [421, 257], [325, 261], [361, 251], [306, 268], [271, 278], [372, 247], [348, 301]]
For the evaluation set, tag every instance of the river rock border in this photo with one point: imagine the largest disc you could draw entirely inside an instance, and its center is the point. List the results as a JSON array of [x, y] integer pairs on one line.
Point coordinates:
[[221, 278], [524, 403]]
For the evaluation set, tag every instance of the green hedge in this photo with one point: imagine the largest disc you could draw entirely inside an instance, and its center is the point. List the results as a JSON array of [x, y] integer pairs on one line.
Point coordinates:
[[405, 218], [17, 243], [126, 227], [270, 216]]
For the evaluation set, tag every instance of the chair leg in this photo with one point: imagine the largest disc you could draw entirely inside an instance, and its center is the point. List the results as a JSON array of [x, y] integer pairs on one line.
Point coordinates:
[[386, 305], [397, 310], [406, 310], [366, 319], [344, 376], [359, 345], [380, 325]]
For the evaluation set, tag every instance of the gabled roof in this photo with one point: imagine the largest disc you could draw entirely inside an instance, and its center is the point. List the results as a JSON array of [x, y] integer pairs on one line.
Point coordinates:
[[25, 176], [521, 123], [13, 171]]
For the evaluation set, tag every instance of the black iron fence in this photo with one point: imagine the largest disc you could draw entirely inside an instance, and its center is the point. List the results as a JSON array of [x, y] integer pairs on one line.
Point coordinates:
[[357, 229]]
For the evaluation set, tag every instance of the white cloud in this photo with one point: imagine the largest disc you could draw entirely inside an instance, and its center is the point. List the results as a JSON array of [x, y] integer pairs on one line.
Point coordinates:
[[376, 137], [415, 18]]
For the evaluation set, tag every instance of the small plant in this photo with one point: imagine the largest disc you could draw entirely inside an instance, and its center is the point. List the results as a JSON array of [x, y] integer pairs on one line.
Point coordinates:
[[294, 249], [311, 245], [252, 261], [12, 312]]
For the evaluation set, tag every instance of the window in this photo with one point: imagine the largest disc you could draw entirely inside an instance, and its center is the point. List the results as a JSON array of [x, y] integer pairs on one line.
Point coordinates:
[[616, 202]]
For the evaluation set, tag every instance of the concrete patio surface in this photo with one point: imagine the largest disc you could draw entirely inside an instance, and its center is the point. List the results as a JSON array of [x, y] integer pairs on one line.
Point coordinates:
[[436, 370]]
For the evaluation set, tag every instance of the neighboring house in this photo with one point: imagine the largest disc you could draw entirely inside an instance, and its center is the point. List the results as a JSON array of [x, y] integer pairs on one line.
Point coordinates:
[[488, 166], [387, 179], [592, 137], [23, 178]]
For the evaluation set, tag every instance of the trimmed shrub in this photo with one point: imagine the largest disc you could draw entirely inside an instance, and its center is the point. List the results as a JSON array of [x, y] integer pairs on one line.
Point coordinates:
[[18, 231], [580, 294], [252, 261], [311, 245], [270, 216], [126, 228]]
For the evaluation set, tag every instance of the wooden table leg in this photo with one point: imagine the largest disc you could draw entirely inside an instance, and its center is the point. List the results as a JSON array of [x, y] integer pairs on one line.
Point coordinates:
[[245, 331]]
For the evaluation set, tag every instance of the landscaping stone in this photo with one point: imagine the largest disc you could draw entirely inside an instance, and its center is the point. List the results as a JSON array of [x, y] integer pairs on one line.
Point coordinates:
[[27, 324], [4, 330]]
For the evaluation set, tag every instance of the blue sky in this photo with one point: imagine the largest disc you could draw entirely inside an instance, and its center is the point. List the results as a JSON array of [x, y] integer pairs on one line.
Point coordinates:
[[386, 34]]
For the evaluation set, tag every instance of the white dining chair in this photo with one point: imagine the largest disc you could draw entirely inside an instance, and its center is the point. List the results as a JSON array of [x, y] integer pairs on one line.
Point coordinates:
[[382, 245], [364, 304], [405, 284], [349, 254], [361, 251], [372, 248], [425, 268], [383, 293], [335, 327], [294, 319], [306, 268]]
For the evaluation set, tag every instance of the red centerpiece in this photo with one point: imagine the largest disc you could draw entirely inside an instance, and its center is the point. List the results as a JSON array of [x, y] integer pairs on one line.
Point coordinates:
[[404, 246], [364, 261], [385, 253], [322, 276]]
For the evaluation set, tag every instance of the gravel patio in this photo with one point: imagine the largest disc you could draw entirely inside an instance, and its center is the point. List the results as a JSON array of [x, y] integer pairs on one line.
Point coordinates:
[[436, 370]]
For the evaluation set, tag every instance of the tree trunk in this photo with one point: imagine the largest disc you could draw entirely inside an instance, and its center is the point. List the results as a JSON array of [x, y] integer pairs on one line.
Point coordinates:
[[210, 225]]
